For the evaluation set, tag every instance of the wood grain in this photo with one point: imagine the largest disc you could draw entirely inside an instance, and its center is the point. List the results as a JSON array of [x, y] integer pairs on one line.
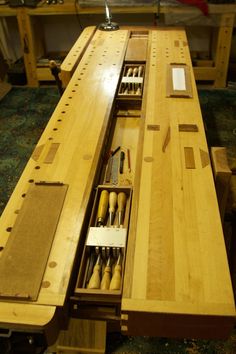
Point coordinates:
[[178, 270], [83, 336], [136, 50]]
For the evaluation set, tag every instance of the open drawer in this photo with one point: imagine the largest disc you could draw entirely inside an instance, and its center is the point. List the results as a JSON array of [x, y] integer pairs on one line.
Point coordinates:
[[99, 295]]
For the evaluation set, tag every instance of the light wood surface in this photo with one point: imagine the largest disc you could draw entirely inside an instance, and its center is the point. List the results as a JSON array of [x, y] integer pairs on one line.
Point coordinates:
[[176, 276], [72, 59], [179, 257], [78, 125]]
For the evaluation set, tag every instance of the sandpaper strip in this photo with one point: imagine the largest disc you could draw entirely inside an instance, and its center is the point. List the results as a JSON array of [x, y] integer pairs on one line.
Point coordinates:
[[25, 256]]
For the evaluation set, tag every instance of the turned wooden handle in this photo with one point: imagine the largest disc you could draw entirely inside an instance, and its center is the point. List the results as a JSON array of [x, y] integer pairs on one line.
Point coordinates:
[[102, 207], [116, 278]]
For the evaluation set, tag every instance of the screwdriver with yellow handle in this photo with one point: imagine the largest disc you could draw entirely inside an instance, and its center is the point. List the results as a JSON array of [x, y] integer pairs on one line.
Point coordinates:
[[106, 278], [112, 206], [95, 280], [121, 207], [102, 208], [115, 283]]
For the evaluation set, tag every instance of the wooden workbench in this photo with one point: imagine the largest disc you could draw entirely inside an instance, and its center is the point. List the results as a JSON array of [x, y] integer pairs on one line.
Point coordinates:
[[176, 280]]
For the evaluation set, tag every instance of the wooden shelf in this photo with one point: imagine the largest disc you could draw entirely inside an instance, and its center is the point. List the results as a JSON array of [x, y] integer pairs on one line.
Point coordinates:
[[224, 22], [69, 7]]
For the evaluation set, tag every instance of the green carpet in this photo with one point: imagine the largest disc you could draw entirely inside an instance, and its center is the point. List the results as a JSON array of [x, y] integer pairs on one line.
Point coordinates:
[[24, 113]]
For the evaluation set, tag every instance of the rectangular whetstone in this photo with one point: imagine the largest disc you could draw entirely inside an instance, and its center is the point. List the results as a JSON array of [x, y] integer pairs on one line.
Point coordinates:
[[178, 82], [25, 256]]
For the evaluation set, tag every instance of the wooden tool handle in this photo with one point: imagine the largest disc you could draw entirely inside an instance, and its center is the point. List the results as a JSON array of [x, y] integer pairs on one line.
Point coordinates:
[[106, 279], [94, 282], [135, 71], [112, 202], [129, 72], [121, 201], [140, 71], [102, 207], [116, 278]]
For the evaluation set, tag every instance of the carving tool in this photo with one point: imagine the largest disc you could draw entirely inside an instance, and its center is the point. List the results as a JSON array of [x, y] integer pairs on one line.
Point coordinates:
[[138, 91], [121, 207], [102, 208], [129, 162], [89, 272], [116, 278], [114, 170], [112, 206], [115, 151], [140, 71], [106, 278], [140, 74], [135, 72], [94, 282], [129, 73], [122, 157], [108, 170]]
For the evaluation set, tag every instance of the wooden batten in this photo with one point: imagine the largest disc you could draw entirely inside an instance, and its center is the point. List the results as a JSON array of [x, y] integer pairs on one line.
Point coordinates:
[[170, 270], [222, 174]]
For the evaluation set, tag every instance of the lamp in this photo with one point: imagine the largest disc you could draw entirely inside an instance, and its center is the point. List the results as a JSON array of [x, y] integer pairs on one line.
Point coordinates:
[[108, 25]]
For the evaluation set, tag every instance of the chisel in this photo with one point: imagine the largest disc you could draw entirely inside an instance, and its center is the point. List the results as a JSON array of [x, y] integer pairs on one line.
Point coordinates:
[[102, 208], [129, 73], [94, 282], [122, 158], [106, 279], [112, 206], [140, 71], [116, 278], [135, 72], [121, 207]]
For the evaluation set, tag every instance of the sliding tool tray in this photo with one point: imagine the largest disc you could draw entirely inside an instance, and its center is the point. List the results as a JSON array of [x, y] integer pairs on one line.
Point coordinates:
[[101, 271], [162, 261]]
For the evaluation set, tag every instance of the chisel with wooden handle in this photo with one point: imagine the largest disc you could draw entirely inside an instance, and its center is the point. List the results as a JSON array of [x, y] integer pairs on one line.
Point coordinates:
[[106, 278], [102, 208], [135, 72], [112, 206], [94, 281], [116, 278], [121, 207]]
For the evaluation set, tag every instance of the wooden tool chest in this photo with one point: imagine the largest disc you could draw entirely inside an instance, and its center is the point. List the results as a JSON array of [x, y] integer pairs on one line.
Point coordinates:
[[137, 236]]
